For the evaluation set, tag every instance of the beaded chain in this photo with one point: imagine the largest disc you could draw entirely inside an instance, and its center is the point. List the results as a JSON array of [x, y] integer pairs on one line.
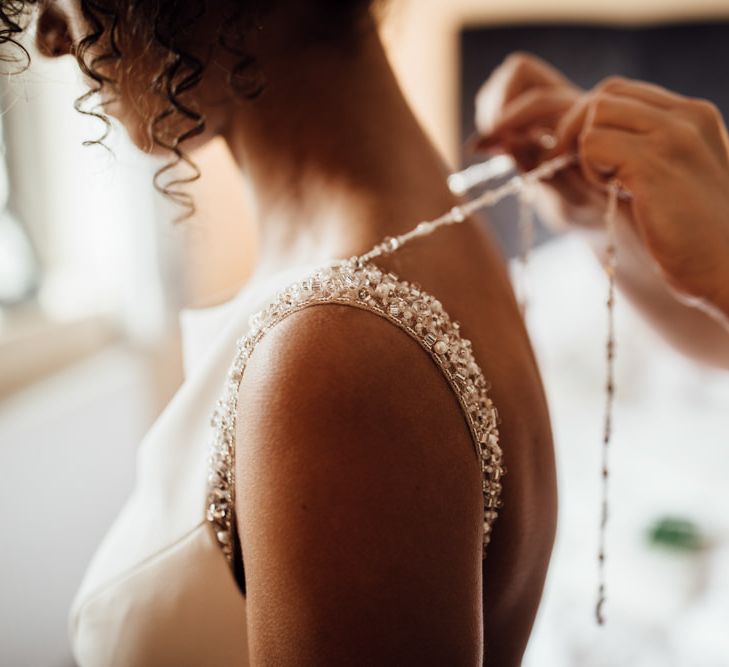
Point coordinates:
[[477, 174], [361, 284], [460, 213], [610, 264]]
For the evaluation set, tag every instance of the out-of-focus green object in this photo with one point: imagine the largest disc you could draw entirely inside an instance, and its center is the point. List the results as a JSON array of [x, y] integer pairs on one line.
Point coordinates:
[[677, 534]]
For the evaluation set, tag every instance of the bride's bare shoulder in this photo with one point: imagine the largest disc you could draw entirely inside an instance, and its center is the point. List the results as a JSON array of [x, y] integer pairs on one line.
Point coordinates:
[[357, 487], [334, 367]]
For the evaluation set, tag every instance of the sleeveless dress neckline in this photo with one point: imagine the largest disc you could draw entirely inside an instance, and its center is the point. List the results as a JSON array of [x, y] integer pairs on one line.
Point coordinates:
[[199, 324], [159, 591]]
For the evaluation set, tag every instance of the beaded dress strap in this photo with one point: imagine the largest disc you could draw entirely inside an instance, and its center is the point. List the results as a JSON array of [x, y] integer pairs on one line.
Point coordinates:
[[360, 284]]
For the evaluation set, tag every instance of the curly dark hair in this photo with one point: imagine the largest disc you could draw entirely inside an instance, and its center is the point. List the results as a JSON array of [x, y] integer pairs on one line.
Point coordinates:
[[166, 25]]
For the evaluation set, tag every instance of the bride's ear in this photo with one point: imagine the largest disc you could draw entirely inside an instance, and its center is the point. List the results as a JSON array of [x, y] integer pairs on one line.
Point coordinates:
[[53, 38]]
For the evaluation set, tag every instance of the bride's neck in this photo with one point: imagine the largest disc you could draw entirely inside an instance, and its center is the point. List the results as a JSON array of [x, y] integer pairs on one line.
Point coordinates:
[[333, 155]]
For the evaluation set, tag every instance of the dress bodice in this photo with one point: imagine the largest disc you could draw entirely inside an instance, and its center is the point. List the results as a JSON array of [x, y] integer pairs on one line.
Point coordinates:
[[159, 590]]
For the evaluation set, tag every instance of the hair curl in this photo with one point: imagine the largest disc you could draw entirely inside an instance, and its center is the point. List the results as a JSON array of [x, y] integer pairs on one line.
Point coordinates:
[[165, 25]]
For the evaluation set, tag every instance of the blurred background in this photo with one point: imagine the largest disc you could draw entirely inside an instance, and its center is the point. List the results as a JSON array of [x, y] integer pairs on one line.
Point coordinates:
[[96, 286]]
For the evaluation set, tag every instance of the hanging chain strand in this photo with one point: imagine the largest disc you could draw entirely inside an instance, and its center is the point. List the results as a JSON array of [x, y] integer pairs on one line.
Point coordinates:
[[610, 266], [517, 185]]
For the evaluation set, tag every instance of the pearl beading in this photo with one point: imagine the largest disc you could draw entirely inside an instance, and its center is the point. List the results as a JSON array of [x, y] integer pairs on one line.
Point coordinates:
[[363, 285]]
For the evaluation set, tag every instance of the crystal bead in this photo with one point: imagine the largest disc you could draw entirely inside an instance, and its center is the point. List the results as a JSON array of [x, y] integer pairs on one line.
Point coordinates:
[[390, 244], [457, 214], [440, 347], [221, 494], [215, 513]]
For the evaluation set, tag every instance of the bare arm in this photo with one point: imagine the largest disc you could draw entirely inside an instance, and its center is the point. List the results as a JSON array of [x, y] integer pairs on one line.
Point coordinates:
[[358, 499]]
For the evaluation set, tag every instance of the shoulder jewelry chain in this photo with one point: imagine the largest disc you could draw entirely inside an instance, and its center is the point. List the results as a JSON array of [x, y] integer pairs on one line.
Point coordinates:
[[459, 213], [460, 183], [610, 264]]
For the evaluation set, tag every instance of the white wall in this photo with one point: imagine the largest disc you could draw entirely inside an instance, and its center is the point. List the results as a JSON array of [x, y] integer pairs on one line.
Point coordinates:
[[67, 448]]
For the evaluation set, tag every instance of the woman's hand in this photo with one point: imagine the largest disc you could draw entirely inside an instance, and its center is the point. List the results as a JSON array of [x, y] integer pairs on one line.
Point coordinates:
[[518, 111], [672, 154], [519, 107]]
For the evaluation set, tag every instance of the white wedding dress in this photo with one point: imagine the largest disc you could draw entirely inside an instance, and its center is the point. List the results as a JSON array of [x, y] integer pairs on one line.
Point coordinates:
[[164, 586]]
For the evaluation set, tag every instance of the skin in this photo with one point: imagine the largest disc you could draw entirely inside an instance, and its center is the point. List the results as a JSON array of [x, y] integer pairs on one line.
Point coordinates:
[[669, 151], [358, 493]]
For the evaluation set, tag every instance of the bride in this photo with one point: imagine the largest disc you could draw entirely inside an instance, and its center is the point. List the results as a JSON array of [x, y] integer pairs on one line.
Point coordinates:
[[352, 527]]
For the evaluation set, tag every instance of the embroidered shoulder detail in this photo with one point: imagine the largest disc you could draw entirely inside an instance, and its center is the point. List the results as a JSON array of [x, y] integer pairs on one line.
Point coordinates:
[[408, 306]]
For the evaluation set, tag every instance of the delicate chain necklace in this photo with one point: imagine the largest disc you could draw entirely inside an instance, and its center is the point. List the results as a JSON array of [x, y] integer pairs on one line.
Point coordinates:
[[610, 264], [460, 183]]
